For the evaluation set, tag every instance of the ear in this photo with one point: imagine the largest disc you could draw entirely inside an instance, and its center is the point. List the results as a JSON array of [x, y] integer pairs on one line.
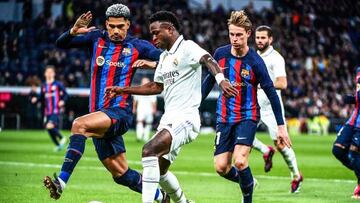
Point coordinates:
[[248, 33], [128, 23], [107, 24], [270, 40]]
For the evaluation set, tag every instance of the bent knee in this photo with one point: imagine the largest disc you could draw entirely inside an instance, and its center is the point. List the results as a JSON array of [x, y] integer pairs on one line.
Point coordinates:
[[78, 127], [241, 164], [222, 169], [49, 126], [147, 150]]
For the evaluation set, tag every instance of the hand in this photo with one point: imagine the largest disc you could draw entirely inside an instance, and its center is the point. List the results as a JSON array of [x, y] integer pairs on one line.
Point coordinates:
[[80, 26], [141, 63], [33, 100], [283, 137], [112, 91], [61, 103], [227, 89]]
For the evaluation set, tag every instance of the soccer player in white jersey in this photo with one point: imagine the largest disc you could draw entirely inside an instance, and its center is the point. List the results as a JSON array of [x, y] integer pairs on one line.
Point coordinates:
[[178, 77], [275, 64], [145, 108]]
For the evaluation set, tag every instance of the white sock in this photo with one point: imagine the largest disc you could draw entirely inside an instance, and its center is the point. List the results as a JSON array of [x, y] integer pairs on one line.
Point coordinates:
[[151, 177], [290, 159], [258, 145], [147, 130], [139, 130], [170, 184], [62, 183]]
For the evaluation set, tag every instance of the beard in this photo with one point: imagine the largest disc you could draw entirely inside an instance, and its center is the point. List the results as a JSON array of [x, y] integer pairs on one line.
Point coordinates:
[[264, 47]]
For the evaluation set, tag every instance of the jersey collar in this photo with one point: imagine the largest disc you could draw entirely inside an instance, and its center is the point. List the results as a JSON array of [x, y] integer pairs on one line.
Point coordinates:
[[176, 45], [267, 52]]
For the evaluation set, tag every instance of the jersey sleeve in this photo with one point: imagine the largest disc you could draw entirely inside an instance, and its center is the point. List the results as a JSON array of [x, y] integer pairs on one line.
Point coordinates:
[[158, 75], [148, 51], [66, 40], [195, 52], [269, 89], [279, 66]]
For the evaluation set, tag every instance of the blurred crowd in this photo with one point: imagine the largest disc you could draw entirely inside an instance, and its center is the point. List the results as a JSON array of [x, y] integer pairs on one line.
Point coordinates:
[[319, 40]]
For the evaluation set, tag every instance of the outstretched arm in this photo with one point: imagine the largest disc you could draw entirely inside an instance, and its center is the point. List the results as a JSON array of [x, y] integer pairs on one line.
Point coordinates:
[[150, 88], [214, 68], [77, 35]]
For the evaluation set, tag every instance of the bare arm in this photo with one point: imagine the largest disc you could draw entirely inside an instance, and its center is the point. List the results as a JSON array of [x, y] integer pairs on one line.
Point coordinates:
[[150, 88], [214, 68], [280, 83]]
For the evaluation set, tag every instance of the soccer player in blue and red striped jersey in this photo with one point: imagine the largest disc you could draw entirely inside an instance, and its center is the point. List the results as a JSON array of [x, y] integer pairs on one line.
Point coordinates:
[[347, 144], [237, 117], [114, 58], [53, 97]]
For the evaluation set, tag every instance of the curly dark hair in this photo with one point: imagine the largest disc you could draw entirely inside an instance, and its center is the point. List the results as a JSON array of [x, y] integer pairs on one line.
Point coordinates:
[[165, 16]]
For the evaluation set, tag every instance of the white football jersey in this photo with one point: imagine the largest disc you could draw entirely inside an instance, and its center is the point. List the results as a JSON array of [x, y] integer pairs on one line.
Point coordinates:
[[179, 70], [144, 104], [275, 65]]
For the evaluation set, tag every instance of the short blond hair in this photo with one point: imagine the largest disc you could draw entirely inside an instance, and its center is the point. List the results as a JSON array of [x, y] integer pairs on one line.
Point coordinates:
[[240, 19]]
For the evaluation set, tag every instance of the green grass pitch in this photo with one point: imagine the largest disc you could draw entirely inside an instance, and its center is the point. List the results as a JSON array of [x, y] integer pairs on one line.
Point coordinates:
[[27, 156]]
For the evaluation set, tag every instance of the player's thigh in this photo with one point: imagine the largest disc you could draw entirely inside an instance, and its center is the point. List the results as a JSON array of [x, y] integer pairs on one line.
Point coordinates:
[[92, 125], [268, 118], [116, 164], [344, 136]]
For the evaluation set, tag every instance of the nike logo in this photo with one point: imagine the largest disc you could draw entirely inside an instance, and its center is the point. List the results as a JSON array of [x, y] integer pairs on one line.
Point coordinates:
[[100, 46], [223, 68], [241, 138]]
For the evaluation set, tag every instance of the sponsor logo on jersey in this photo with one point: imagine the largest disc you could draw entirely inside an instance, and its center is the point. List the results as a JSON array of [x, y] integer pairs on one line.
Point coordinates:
[[169, 77], [100, 60]]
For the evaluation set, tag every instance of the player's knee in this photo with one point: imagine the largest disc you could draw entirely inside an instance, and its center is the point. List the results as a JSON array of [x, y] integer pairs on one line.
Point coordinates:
[[148, 150], [338, 151], [49, 126], [78, 127], [222, 169], [241, 163]]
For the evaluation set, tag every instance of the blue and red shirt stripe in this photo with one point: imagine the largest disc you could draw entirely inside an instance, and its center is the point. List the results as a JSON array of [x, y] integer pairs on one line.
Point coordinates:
[[51, 94], [354, 119]]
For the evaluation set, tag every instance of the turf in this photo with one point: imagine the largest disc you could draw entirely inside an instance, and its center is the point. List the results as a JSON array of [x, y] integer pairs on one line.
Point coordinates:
[[27, 156]]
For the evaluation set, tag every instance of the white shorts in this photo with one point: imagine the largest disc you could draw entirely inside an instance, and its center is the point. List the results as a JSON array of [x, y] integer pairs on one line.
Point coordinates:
[[268, 118], [182, 131], [147, 117]]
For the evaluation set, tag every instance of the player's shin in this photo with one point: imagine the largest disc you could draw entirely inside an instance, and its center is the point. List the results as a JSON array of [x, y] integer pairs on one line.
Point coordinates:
[[354, 157], [246, 184], [342, 155], [53, 136], [258, 145], [73, 154], [232, 175], [290, 159], [151, 177], [170, 184]]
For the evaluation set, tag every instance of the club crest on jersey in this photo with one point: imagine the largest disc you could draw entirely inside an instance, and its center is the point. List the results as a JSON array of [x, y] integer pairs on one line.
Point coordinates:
[[245, 73], [53, 87], [100, 60], [126, 51]]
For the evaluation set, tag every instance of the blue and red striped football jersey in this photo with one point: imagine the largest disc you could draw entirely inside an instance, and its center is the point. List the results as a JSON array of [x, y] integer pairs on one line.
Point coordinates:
[[244, 74], [354, 119], [111, 64], [50, 95]]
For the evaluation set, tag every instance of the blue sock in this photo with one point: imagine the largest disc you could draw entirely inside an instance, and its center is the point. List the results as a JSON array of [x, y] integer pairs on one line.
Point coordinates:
[[56, 132], [246, 184], [232, 175], [354, 158], [132, 179], [73, 154], [342, 155], [53, 137]]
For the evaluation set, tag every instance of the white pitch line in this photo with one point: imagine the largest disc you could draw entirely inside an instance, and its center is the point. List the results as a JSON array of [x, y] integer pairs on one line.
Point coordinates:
[[41, 165]]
